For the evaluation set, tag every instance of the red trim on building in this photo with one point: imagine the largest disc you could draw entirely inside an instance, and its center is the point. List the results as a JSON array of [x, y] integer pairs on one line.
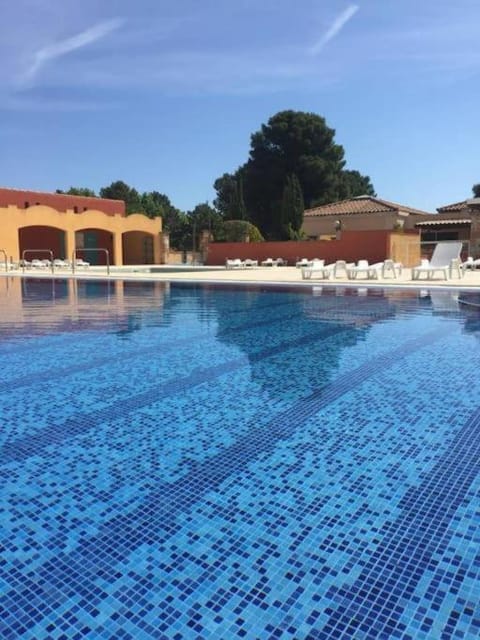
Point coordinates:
[[59, 201]]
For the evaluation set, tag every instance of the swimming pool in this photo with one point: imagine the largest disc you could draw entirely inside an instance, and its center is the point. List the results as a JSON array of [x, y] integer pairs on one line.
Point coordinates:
[[225, 462]]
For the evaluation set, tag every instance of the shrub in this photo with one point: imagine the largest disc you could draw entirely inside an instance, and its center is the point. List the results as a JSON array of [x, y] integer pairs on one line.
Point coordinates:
[[238, 231]]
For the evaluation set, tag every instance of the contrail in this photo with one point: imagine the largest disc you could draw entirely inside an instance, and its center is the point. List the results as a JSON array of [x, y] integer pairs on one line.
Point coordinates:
[[58, 49], [336, 27]]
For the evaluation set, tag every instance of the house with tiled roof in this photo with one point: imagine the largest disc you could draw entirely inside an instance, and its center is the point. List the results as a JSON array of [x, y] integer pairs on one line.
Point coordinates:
[[472, 205], [363, 213], [457, 221]]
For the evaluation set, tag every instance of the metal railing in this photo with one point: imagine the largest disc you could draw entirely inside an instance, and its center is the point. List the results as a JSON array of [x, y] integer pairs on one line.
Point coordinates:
[[74, 257], [6, 258], [25, 251]]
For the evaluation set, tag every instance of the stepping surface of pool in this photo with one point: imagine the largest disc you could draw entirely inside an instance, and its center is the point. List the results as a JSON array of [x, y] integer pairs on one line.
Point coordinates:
[[199, 462]]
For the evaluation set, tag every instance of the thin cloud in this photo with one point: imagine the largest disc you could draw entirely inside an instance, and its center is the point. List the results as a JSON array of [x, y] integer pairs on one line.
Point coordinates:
[[59, 49], [335, 29]]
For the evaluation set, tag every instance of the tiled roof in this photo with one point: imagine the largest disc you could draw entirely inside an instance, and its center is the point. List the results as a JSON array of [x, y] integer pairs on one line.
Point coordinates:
[[465, 205], [361, 204], [456, 206]]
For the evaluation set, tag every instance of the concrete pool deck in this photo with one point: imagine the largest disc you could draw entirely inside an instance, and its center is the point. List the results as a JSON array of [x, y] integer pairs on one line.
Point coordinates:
[[260, 275]]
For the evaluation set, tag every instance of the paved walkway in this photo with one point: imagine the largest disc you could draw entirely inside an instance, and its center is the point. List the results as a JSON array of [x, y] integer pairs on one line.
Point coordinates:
[[276, 275]]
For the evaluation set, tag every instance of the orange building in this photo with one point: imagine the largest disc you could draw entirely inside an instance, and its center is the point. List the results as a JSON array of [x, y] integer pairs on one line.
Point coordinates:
[[33, 224]]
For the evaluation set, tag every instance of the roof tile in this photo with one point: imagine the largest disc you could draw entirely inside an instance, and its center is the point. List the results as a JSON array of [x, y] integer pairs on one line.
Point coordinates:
[[360, 204]]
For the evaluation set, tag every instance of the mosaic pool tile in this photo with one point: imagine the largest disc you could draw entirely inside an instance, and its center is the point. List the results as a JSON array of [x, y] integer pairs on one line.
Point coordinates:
[[188, 462]]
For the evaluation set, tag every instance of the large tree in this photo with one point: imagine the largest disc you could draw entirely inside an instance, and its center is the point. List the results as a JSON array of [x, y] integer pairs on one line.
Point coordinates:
[[230, 202], [292, 208], [119, 190], [476, 190], [79, 191], [291, 143], [204, 217], [156, 204], [352, 184]]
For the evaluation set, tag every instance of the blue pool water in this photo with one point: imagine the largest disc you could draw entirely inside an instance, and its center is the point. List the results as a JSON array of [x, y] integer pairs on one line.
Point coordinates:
[[188, 462]]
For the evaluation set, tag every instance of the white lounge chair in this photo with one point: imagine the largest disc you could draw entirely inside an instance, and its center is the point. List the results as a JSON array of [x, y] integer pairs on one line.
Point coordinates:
[[376, 270], [236, 263], [80, 262], [342, 265], [249, 263], [445, 259], [470, 263], [391, 267], [61, 264], [315, 268], [303, 263], [362, 267], [327, 271], [270, 262], [384, 269]]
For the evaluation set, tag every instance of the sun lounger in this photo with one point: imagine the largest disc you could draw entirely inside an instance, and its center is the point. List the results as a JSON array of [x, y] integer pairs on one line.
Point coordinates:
[[236, 263], [445, 259], [391, 267], [303, 263], [376, 270], [316, 268], [362, 267], [80, 262], [61, 264], [469, 263], [249, 263], [341, 265], [320, 270]]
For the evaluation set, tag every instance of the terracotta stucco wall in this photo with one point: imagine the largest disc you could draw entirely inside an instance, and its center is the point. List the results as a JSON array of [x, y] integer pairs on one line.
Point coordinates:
[[12, 219], [60, 202], [373, 246]]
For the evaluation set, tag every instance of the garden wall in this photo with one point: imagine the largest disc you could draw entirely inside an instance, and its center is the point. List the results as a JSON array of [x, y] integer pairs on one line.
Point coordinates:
[[373, 246]]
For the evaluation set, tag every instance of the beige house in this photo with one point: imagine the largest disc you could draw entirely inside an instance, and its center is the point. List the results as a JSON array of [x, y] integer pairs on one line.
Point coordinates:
[[363, 213], [458, 221]]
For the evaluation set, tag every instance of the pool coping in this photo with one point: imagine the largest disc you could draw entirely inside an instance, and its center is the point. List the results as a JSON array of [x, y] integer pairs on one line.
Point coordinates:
[[232, 277]]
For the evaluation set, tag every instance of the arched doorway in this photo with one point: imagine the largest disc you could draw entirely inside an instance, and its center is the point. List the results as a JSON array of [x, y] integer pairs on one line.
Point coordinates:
[[37, 240], [138, 248], [87, 240]]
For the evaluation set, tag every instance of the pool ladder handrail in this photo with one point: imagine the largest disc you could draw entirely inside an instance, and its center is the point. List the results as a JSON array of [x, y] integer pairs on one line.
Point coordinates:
[[6, 259], [107, 254], [50, 253]]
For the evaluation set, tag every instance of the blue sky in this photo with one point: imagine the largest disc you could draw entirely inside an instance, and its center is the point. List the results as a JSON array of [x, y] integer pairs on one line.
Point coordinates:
[[165, 94]]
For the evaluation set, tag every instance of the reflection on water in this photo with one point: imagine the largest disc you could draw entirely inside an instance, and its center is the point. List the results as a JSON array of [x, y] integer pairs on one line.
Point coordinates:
[[29, 306]]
